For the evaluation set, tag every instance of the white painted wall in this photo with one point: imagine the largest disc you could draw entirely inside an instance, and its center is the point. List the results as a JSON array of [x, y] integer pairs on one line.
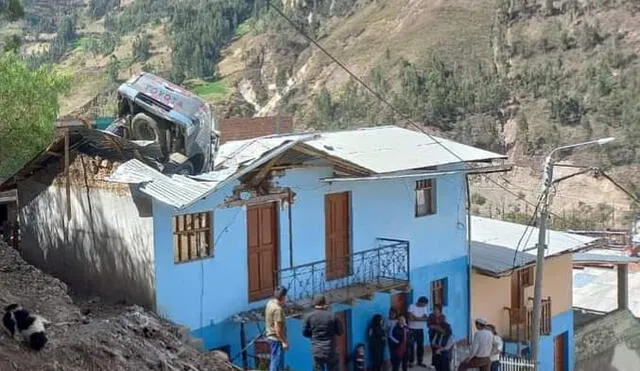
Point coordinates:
[[109, 248]]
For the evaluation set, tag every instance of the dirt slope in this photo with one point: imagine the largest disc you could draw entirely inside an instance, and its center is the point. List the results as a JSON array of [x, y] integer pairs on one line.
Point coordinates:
[[90, 336]]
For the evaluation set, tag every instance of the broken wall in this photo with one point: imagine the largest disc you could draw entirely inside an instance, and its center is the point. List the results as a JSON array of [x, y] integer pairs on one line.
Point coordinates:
[[105, 247]]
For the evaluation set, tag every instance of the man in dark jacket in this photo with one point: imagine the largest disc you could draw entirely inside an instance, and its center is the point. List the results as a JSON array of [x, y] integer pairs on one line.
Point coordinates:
[[322, 326]]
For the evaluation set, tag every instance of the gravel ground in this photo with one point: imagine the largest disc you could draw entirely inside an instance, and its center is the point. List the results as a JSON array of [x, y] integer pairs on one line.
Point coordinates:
[[90, 335]]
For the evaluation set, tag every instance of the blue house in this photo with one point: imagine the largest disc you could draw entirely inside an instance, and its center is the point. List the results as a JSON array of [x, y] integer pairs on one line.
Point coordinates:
[[371, 218]]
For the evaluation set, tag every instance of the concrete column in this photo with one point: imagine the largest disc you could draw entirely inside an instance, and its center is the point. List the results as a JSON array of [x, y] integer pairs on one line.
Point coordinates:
[[623, 286]]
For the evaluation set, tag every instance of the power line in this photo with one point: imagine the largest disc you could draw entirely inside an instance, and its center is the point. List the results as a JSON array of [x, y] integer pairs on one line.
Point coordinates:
[[393, 108]]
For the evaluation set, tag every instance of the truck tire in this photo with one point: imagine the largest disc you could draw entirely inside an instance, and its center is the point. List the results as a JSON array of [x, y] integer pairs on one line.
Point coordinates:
[[144, 127], [185, 168]]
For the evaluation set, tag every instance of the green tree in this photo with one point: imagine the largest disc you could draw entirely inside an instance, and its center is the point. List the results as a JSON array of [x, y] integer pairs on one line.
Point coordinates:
[[28, 107], [12, 43], [12, 10], [113, 69], [141, 48]]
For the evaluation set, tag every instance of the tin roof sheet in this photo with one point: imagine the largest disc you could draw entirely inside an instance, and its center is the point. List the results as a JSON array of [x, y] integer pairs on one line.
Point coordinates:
[[383, 149], [497, 260], [175, 190], [507, 234]]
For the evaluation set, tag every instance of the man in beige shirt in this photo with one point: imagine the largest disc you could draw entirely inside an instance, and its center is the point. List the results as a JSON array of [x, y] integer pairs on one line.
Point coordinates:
[[276, 328]]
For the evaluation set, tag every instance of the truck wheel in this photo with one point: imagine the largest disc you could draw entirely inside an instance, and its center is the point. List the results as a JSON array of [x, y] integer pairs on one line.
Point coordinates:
[[144, 127], [185, 168]]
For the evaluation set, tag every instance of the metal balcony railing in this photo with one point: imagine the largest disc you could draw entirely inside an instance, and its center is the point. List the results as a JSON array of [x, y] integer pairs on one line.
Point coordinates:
[[357, 275]]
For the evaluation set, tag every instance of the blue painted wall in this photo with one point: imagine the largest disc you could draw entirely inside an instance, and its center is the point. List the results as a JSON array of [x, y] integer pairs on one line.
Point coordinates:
[[203, 294], [560, 324]]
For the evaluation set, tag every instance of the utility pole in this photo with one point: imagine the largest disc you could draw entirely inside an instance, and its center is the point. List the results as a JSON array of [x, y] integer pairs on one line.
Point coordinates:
[[545, 202]]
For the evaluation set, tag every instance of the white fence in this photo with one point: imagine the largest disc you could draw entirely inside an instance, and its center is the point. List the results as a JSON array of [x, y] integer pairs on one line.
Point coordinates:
[[507, 363], [516, 364]]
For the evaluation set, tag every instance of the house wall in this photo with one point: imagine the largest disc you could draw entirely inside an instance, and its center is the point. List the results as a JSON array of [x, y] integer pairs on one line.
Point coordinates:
[[491, 295], [204, 294], [107, 250]]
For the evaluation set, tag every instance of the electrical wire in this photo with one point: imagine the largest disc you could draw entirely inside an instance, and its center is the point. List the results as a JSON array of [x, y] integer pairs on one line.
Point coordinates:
[[406, 117]]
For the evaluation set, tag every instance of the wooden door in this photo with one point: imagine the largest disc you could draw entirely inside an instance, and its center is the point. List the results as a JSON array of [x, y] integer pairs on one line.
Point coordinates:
[[262, 246], [560, 352], [337, 234], [399, 302], [342, 341]]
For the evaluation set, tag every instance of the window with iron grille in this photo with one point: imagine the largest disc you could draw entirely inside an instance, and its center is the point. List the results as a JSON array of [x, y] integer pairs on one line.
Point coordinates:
[[439, 292], [192, 237], [425, 197]]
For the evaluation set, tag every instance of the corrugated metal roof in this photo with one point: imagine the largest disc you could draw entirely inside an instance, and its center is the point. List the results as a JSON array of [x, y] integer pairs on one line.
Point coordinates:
[[497, 260], [387, 149], [176, 190], [507, 234], [591, 257], [382, 149]]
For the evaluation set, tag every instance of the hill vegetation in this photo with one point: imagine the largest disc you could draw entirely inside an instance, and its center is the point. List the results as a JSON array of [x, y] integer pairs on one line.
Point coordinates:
[[515, 76]]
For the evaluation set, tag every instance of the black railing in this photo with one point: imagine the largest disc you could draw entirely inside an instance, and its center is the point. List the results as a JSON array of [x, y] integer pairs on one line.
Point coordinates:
[[359, 274]]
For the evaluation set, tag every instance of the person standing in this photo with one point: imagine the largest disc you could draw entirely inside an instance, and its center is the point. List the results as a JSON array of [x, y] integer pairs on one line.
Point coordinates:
[[480, 350], [276, 328], [417, 320], [399, 345], [377, 336], [496, 349], [442, 343], [322, 326], [434, 322]]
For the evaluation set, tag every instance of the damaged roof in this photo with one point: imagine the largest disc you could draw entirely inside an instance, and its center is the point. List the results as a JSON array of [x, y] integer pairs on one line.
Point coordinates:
[[367, 151]]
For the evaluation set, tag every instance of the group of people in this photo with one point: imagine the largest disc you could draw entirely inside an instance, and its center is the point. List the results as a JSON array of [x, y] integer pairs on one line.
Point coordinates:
[[485, 350], [404, 336]]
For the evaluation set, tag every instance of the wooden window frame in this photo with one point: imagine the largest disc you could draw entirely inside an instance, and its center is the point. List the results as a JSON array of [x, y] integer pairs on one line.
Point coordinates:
[[189, 231], [427, 189], [439, 292]]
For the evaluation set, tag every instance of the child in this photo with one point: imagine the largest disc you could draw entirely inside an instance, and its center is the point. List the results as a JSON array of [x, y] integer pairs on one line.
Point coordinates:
[[359, 358]]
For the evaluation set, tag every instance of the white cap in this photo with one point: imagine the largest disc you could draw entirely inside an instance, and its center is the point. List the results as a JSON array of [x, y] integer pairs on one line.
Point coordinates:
[[481, 321]]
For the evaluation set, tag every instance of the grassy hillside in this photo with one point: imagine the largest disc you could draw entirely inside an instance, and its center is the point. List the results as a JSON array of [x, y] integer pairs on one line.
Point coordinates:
[[515, 76]]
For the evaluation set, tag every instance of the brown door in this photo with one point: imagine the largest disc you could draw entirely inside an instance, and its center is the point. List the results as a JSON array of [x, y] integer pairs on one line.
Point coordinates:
[[399, 302], [262, 241], [342, 341], [338, 234], [560, 352]]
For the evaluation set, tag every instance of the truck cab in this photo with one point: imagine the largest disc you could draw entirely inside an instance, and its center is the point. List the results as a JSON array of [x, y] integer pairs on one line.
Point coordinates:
[[181, 123]]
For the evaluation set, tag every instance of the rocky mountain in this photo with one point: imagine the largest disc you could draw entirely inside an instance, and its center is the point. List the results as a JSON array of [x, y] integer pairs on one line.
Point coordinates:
[[516, 76]]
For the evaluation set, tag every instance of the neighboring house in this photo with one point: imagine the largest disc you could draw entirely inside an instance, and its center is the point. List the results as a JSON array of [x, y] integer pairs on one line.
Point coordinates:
[[362, 216], [602, 280], [607, 333], [99, 239], [502, 287]]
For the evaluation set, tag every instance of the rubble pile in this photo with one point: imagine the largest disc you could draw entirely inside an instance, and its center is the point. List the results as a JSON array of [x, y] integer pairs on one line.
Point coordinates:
[[93, 335]]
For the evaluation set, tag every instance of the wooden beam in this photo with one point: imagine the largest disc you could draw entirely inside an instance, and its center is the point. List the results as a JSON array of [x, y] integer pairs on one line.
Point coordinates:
[[264, 170]]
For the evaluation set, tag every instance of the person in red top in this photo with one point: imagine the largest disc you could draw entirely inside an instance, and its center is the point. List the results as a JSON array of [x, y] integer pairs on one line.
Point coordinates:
[[399, 345]]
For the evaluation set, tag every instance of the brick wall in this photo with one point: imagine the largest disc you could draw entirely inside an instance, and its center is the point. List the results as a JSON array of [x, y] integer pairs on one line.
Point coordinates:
[[239, 128]]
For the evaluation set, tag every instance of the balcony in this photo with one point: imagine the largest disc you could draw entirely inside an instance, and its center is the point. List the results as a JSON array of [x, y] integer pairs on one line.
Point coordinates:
[[356, 276], [521, 321]]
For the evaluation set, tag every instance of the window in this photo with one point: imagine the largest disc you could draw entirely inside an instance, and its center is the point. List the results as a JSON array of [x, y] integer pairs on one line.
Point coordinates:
[[439, 292], [525, 276], [425, 197], [192, 237], [520, 280]]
